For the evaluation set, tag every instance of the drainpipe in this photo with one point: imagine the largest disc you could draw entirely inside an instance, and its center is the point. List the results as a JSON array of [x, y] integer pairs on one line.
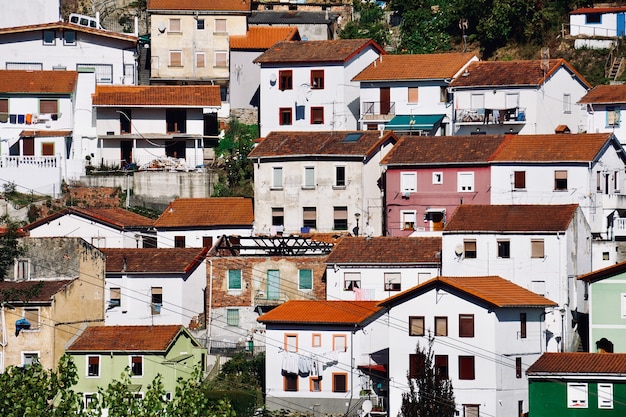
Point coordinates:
[[210, 304]]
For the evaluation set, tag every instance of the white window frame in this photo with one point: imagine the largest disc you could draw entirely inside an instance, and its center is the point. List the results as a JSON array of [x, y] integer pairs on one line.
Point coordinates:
[[393, 281], [577, 395], [232, 317], [465, 182], [277, 177], [623, 305], [567, 103], [22, 269], [605, 396], [97, 375], [437, 177], [477, 101], [309, 177], [408, 182], [34, 353], [345, 180], [405, 219], [351, 277]]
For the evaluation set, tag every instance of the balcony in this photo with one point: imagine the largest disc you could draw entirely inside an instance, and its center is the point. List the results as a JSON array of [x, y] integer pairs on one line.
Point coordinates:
[[515, 115], [371, 110], [267, 300]]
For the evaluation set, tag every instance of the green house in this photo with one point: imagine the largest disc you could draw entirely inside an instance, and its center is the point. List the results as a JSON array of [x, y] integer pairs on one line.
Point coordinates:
[[102, 354], [606, 292], [577, 384]]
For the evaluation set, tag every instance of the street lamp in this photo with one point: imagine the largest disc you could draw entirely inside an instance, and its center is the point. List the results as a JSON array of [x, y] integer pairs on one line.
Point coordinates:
[[356, 229]]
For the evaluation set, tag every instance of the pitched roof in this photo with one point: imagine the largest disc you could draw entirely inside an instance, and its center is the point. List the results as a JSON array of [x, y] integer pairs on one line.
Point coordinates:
[[605, 94], [518, 218], [199, 5], [330, 51], [512, 73], [428, 150], [38, 82], [207, 212], [301, 144], [262, 37], [493, 290], [115, 217], [157, 95], [68, 26], [31, 291], [415, 67], [126, 338], [579, 363], [592, 10], [291, 17], [385, 250], [606, 272], [321, 312], [44, 133], [150, 260], [582, 147]]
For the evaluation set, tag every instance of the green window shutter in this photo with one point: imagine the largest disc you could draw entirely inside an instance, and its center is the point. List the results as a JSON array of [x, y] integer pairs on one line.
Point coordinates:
[[306, 279], [234, 279]]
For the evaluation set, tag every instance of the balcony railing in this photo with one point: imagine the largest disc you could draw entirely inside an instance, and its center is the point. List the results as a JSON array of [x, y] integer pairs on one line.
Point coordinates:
[[513, 115], [29, 161], [373, 108]]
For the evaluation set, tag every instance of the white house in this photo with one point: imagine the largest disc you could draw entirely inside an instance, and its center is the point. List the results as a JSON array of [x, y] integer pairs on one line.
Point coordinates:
[[525, 97], [324, 181], [409, 93], [102, 227], [155, 127], [65, 46], [199, 222], [485, 332], [155, 286], [317, 354], [583, 169], [362, 268], [541, 248], [43, 127], [599, 22], [308, 86], [604, 105]]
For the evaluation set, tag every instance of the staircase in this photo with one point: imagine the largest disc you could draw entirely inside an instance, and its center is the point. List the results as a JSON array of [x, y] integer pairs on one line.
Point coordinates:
[[617, 68]]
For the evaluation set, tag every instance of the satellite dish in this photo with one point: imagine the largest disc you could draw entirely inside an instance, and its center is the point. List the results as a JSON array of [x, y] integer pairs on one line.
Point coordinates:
[[366, 406], [458, 251], [161, 27], [273, 79]]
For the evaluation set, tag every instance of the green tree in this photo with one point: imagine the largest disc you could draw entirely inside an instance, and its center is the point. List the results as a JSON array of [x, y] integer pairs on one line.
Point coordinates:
[[236, 171], [10, 247], [369, 24], [429, 394]]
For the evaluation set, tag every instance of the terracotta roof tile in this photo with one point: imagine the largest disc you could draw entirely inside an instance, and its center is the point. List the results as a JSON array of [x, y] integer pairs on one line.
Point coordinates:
[[605, 94], [115, 217], [582, 147], [511, 218], [158, 95], [199, 5], [385, 250], [126, 338], [345, 143], [44, 133], [340, 50], [207, 212], [31, 291], [167, 260], [580, 363], [588, 10], [33, 82], [68, 26], [511, 73], [321, 312], [291, 17], [415, 67], [418, 150], [261, 37], [494, 290], [603, 273]]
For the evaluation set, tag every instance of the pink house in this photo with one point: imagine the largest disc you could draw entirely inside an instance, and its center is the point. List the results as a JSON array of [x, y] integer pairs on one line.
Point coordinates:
[[427, 177]]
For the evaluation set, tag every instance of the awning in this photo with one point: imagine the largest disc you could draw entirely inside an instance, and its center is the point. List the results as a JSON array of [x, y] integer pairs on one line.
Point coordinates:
[[414, 122], [373, 367]]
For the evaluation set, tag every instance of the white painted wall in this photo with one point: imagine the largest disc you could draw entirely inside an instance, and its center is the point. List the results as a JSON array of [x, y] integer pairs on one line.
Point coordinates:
[[29, 12], [606, 27], [193, 237], [597, 120]]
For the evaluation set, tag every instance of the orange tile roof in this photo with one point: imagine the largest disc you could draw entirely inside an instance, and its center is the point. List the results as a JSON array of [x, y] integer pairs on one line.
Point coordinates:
[[305, 144], [50, 82], [582, 147], [340, 50], [31, 291], [115, 217], [158, 95], [142, 260], [415, 67], [429, 150], [580, 363], [512, 73], [148, 339], [44, 133], [605, 94], [321, 312], [494, 290], [590, 10], [262, 37], [207, 212], [511, 218], [385, 250], [68, 26], [199, 5], [603, 273]]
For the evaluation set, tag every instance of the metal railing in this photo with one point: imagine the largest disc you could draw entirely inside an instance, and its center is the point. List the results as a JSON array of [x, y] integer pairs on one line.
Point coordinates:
[[30, 161], [374, 107]]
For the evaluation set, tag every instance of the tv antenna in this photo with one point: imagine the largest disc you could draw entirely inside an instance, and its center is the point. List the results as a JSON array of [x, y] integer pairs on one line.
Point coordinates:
[[545, 58], [464, 25]]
